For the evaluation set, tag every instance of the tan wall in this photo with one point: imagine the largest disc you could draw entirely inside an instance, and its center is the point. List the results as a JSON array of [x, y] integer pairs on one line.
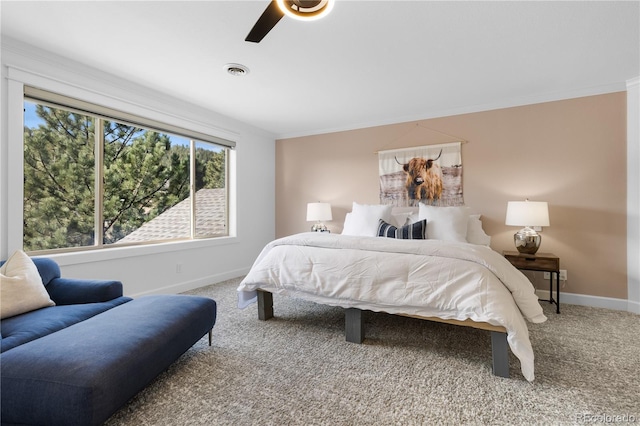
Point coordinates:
[[570, 153]]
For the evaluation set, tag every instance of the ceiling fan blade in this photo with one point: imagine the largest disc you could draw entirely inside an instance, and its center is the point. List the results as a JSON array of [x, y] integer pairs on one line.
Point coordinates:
[[269, 18]]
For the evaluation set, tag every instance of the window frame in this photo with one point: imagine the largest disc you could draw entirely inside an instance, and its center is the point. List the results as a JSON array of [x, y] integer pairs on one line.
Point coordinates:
[[68, 103], [164, 111]]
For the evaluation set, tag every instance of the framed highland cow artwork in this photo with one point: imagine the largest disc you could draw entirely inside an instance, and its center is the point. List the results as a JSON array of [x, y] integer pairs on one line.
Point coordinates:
[[429, 174]]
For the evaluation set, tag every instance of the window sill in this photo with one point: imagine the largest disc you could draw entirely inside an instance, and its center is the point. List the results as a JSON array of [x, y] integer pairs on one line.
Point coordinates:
[[111, 253]]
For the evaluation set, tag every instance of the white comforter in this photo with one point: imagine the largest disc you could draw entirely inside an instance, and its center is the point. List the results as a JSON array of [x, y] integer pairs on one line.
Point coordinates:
[[418, 277]]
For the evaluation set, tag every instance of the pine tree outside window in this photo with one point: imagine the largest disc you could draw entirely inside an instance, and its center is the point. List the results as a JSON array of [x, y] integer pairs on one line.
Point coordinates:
[[92, 180]]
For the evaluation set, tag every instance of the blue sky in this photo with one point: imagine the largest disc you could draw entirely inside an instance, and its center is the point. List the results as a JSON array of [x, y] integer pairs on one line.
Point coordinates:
[[31, 119]]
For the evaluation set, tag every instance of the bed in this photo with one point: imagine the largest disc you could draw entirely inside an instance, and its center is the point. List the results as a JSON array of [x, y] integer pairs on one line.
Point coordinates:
[[435, 279]]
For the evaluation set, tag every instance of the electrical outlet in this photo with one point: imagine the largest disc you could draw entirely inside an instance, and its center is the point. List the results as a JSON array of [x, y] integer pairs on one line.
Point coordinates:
[[563, 275], [178, 268]]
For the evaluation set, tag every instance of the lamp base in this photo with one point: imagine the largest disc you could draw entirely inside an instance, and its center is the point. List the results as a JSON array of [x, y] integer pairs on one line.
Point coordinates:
[[319, 227], [527, 241]]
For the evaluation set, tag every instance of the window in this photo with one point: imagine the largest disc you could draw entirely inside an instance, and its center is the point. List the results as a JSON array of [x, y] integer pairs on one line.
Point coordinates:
[[94, 177]]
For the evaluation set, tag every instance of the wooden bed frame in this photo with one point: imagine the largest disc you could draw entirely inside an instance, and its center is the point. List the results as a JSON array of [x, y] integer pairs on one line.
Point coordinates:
[[354, 330]]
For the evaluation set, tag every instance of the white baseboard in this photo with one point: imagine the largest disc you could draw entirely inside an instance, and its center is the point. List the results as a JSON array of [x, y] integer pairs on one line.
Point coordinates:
[[191, 285], [594, 301]]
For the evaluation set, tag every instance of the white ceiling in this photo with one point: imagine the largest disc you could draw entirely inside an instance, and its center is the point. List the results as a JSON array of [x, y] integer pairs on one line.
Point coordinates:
[[367, 63]]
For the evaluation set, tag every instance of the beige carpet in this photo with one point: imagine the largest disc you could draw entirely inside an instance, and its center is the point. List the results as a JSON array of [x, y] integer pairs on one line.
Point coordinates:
[[297, 369]]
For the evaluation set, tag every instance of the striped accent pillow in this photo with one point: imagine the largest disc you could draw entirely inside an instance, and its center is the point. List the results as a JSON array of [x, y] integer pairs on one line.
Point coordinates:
[[414, 231]]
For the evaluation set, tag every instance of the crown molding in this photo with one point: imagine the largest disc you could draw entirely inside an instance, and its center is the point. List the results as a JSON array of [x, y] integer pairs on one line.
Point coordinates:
[[501, 104]]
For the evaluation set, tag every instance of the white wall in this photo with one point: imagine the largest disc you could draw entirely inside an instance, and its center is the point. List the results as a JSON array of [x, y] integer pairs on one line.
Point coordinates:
[[633, 194], [142, 269]]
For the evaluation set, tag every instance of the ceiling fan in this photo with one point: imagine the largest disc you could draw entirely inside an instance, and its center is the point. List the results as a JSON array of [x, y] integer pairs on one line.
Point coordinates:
[[298, 9]]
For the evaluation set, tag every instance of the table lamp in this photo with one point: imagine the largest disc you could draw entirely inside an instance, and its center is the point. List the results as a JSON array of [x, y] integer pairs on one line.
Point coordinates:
[[318, 212], [528, 214]]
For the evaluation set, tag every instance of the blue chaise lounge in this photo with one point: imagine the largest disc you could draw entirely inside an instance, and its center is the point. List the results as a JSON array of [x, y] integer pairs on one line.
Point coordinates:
[[78, 362]]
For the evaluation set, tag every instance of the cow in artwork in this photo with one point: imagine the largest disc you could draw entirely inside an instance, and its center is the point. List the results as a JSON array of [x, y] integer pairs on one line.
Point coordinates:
[[424, 179]]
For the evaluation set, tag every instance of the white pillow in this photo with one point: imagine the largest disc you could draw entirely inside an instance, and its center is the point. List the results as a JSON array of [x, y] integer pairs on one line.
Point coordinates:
[[401, 215], [445, 223], [349, 225], [475, 233], [413, 218], [363, 219], [21, 288]]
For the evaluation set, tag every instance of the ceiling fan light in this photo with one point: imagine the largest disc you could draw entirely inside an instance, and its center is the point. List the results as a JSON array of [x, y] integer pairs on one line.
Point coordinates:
[[306, 10]]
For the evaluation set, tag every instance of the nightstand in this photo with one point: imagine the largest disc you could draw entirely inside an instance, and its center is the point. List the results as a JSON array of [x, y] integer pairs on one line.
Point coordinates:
[[545, 262]]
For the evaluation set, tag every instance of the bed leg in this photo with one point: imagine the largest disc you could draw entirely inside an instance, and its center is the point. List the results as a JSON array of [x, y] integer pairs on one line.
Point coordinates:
[[353, 325], [500, 354], [265, 305]]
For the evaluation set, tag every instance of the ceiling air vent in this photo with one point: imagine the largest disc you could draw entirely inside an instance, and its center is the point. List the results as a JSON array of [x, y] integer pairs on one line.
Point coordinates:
[[237, 70]]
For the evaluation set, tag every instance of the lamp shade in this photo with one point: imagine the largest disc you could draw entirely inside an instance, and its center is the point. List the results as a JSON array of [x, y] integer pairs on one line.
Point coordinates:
[[318, 212], [527, 213]]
